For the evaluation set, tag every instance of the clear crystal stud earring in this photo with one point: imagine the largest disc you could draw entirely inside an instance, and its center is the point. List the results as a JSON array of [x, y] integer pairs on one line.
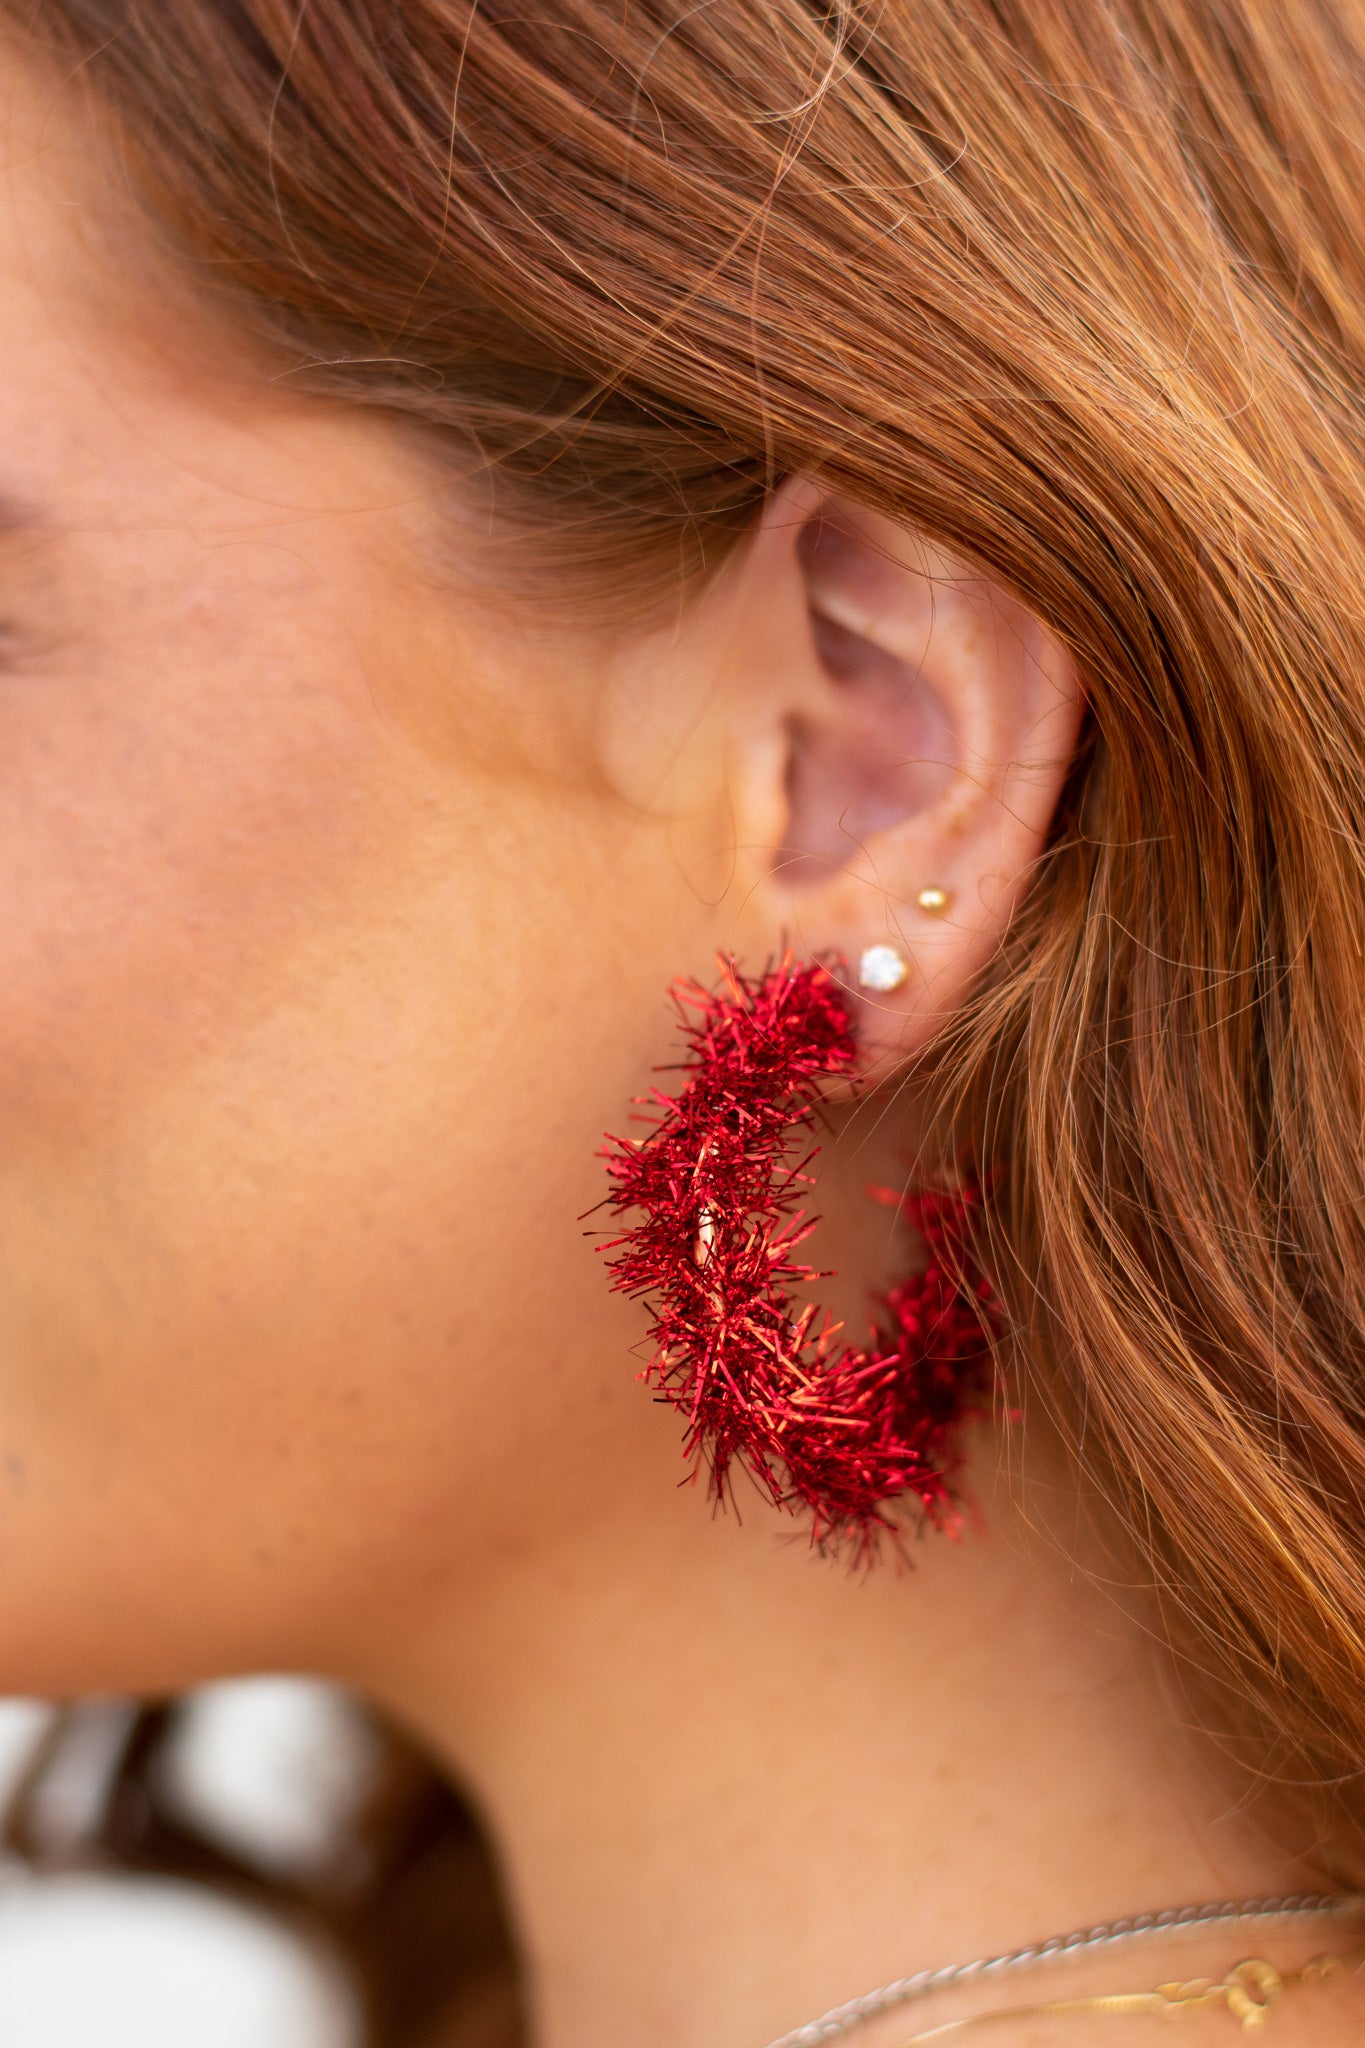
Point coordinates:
[[882, 968]]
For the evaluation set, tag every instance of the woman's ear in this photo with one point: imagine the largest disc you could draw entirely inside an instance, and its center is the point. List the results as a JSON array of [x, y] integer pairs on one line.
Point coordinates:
[[903, 735]]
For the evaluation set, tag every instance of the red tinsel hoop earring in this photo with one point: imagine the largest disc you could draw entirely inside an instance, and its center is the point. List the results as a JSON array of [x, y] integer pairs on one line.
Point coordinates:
[[828, 1429]]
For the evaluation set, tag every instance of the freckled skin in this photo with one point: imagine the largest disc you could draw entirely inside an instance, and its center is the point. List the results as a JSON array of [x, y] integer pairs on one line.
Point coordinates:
[[290, 966]]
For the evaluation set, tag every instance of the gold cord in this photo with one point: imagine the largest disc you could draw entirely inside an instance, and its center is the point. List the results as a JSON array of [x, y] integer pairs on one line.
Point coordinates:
[[1248, 1992]]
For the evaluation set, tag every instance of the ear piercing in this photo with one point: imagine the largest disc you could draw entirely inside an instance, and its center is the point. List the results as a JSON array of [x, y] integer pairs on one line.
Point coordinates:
[[882, 968]]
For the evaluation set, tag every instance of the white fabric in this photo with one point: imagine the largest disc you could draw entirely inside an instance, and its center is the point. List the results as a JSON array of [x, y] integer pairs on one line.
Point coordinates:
[[143, 1963], [267, 1765]]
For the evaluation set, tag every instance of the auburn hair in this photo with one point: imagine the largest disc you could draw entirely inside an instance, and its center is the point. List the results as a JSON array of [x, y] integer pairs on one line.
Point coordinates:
[[1077, 289]]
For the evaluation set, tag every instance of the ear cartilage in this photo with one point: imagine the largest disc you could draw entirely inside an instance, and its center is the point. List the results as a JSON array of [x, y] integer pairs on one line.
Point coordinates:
[[933, 901], [882, 969]]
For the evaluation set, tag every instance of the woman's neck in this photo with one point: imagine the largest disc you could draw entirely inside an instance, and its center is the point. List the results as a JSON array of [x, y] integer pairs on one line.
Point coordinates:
[[733, 1785]]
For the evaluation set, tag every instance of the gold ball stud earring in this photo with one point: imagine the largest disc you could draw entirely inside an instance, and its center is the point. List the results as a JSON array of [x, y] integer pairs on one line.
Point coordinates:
[[933, 901], [882, 968]]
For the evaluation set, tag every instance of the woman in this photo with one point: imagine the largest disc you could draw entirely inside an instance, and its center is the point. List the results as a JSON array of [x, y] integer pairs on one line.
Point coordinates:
[[504, 506]]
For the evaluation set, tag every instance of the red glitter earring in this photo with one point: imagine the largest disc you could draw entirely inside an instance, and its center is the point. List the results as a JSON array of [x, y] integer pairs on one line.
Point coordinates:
[[831, 1430]]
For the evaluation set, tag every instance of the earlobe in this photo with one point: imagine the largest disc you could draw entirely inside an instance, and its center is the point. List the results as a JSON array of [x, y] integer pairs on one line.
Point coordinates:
[[923, 734]]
